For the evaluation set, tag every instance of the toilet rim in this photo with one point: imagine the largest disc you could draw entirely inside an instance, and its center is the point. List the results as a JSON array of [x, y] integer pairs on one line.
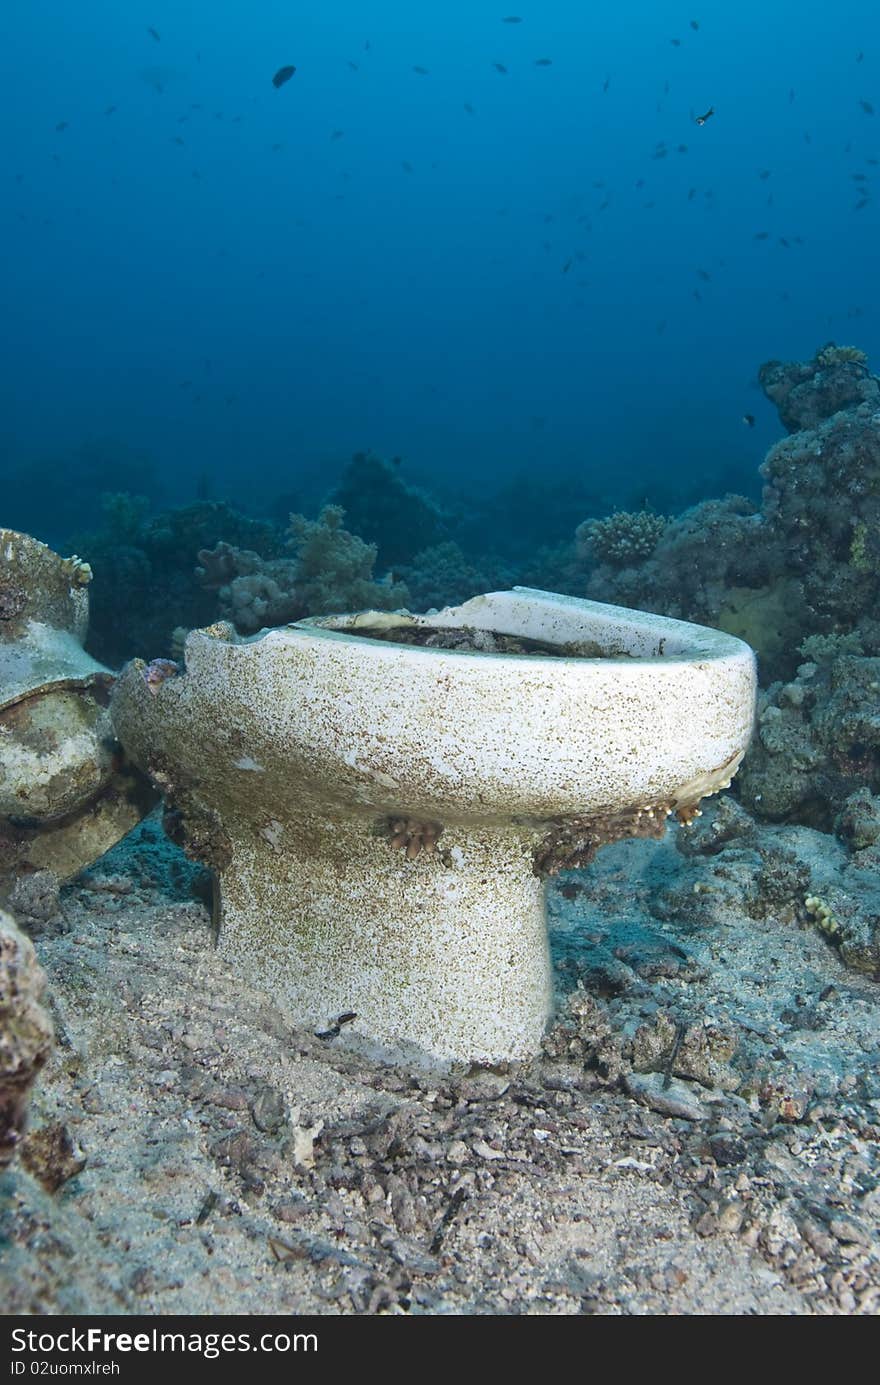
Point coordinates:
[[633, 636]]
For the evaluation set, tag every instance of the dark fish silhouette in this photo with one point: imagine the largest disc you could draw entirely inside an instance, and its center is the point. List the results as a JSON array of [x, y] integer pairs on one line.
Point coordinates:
[[154, 33], [543, 62], [761, 235], [676, 42], [469, 108], [62, 125], [867, 107], [422, 71], [701, 119], [695, 24], [283, 75], [110, 110], [499, 67], [354, 67], [749, 420]]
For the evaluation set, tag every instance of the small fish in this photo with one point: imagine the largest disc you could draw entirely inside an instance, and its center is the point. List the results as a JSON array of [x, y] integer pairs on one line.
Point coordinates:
[[349, 1015], [499, 67], [676, 42], [701, 119], [154, 33], [283, 75], [692, 192], [704, 275], [469, 108], [543, 62], [681, 149], [791, 96], [859, 57], [698, 295], [110, 110], [406, 166], [695, 24], [178, 139], [422, 71], [606, 84], [337, 134], [861, 204], [567, 266], [354, 67], [62, 125], [761, 235], [749, 420], [512, 19], [784, 242], [867, 107]]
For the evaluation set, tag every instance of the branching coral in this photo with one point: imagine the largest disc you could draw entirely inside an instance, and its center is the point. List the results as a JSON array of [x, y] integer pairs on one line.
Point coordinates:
[[621, 539], [331, 571], [334, 568]]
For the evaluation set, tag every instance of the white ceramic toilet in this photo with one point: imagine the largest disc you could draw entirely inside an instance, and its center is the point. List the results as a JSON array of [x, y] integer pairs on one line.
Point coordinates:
[[380, 816]]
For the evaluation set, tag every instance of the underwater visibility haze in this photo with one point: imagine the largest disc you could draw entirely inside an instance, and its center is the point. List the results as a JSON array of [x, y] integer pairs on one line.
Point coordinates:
[[491, 248], [513, 955]]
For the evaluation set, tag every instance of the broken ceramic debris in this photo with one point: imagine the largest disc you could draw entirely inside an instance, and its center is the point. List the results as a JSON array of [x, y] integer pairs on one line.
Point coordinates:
[[66, 795]]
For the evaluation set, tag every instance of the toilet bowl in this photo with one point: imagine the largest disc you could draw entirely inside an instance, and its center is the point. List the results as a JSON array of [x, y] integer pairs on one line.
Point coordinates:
[[65, 794], [381, 816]]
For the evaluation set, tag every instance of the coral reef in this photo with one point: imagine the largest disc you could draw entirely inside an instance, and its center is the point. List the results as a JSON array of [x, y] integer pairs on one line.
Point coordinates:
[[806, 393], [443, 575], [385, 511], [817, 742], [622, 538], [807, 563], [144, 566], [332, 571], [25, 1031]]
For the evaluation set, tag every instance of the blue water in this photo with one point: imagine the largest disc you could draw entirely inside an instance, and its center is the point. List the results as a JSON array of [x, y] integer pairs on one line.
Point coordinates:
[[236, 286]]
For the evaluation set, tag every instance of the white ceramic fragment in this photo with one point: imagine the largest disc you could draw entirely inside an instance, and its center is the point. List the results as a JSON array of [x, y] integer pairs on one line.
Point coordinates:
[[65, 797], [387, 859]]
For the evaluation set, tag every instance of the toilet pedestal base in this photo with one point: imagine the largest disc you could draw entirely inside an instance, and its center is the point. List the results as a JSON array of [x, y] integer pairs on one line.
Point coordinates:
[[446, 953]]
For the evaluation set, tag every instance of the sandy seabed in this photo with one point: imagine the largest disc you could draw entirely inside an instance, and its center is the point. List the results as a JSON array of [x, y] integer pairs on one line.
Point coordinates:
[[700, 1135]]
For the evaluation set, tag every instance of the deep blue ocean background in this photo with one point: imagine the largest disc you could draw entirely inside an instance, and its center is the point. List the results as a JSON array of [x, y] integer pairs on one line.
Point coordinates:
[[551, 270]]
